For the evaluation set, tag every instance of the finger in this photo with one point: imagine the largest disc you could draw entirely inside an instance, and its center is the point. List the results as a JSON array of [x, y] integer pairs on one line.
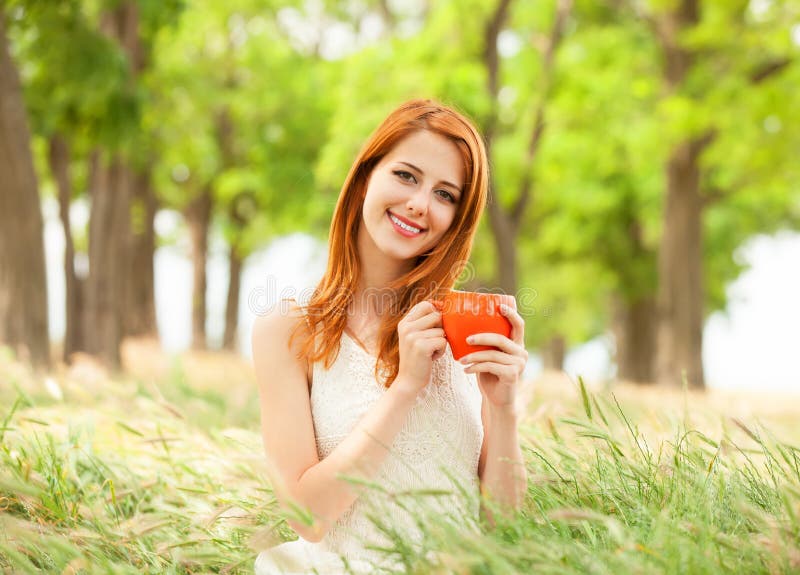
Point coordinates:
[[430, 320], [419, 310], [502, 371], [517, 323], [440, 348], [431, 342], [496, 340], [495, 356], [509, 300], [432, 333]]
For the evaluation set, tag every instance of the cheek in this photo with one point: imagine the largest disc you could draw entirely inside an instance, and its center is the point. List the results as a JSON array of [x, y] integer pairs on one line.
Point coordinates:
[[379, 192], [373, 198], [442, 219]]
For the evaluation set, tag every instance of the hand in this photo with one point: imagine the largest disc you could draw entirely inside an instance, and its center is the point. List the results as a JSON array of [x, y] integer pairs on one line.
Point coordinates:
[[421, 342], [499, 370]]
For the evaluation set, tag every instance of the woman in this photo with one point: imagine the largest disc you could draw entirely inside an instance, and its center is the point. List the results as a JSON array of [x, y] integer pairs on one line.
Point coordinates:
[[358, 386]]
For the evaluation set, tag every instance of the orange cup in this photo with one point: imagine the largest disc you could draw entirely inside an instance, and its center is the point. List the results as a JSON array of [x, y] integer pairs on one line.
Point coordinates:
[[467, 313]]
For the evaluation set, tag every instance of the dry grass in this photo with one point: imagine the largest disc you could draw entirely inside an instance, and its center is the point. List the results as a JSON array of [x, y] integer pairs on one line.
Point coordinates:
[[161, 470]]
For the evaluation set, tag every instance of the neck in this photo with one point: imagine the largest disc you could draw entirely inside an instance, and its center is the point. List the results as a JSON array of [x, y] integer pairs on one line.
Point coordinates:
[[373, 297]]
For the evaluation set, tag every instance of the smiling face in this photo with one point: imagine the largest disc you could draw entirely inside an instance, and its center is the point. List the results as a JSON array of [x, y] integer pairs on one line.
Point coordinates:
[[412, 197]]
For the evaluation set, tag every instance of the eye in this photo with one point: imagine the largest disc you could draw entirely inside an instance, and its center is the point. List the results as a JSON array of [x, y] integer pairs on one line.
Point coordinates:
[[447, 196], [405, 176]]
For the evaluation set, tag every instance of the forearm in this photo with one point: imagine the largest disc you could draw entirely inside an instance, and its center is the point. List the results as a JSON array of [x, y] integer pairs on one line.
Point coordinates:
[[504, 480], [322, 490]]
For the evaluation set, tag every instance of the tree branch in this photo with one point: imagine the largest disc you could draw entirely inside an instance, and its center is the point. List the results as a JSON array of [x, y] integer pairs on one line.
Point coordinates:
[[491, 56], [491, 61], [387, 15], [525, 191], [769, 69]]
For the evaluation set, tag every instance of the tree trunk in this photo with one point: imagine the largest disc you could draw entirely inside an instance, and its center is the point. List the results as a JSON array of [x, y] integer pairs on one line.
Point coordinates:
[[634, 329], [106, 290], [505, 244], [232, 304], [499, 220], [140, 313], [59, 159], [225, 141], [198, 217], [680, 264], [23, 280], [553, 353], [112, 180], [680, 267], [504, 221]]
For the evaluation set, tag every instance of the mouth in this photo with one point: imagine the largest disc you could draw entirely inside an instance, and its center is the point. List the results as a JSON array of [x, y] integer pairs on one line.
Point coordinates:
[[403, 227]]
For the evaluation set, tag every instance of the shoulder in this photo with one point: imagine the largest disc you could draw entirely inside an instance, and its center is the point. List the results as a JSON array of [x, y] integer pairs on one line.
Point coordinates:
[[278, 323], [272, 335]]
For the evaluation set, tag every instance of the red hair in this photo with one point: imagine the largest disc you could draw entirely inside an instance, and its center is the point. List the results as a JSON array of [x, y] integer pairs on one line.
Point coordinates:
[[434, 273]]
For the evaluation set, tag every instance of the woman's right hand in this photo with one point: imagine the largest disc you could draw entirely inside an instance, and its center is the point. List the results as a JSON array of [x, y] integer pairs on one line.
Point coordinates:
[[421, 340]]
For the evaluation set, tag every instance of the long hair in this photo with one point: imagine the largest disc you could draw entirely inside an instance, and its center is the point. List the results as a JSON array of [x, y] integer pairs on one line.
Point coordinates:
[[434, 272]]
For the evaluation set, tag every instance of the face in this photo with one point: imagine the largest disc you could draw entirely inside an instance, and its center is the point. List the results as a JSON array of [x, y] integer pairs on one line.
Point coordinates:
[[412, 196]]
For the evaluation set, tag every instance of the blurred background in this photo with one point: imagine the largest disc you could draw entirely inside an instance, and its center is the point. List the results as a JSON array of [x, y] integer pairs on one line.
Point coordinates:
[[168, 170]]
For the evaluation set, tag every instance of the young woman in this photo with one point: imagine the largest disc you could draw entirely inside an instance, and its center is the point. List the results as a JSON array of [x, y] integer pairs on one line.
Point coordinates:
[[359, 383]]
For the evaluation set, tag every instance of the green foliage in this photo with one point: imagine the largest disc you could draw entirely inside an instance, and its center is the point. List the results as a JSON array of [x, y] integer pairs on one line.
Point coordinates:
[[267, 104], [233, 62], [74, 77]]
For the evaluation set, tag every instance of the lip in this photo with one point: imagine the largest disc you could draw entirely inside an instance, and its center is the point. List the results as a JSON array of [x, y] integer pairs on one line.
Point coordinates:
[[399, 230], [406, 221]]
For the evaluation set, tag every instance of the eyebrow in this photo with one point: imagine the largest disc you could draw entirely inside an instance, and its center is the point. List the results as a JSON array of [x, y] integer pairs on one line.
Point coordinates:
[[445, 182]]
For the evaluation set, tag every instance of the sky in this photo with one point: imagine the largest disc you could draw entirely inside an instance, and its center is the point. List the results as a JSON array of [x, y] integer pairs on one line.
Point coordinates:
[[754, 345]]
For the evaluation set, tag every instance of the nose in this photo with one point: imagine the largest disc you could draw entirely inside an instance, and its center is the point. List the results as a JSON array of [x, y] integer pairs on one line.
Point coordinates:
[[417, 204]]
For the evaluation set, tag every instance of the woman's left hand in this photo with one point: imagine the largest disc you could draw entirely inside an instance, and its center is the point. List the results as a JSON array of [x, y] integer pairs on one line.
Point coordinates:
[[499, 370]]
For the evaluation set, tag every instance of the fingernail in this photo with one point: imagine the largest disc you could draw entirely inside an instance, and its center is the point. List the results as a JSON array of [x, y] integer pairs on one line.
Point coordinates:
[[470, 339]]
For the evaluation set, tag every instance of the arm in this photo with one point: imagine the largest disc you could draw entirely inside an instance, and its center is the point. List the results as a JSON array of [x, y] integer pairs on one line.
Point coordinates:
[[297, 474], [501, 469], [359, 454], [295, 470]]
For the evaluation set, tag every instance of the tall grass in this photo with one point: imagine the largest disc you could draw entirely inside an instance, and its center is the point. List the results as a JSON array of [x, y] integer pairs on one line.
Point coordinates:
[[163, 473]]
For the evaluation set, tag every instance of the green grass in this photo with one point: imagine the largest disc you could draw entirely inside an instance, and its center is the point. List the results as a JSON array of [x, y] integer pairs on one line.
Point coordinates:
[[163, 473]]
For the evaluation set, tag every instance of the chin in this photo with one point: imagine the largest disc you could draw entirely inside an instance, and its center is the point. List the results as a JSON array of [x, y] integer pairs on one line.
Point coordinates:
[[398, 253]]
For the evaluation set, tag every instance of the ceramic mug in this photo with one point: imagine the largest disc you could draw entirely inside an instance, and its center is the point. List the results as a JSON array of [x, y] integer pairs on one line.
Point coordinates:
[[467, 313]]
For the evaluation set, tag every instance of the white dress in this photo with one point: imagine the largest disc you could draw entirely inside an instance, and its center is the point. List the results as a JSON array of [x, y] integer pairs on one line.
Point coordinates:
[[438, 448]]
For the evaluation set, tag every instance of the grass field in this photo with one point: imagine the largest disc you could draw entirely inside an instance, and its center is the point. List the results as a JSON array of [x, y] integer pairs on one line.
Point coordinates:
[[161, 471]]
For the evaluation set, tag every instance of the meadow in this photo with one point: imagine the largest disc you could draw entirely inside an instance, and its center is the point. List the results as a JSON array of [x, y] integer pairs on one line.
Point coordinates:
[[160, 470]]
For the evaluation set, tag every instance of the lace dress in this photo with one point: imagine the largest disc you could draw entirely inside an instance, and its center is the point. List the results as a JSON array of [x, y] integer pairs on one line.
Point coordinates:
[[436, 451]]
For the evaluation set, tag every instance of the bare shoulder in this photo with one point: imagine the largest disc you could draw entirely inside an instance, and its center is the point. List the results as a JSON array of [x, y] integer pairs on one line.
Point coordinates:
[[271, 337], [277, 324]]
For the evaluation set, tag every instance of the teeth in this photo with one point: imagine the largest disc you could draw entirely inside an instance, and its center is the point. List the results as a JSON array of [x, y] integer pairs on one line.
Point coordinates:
[[404, 226]]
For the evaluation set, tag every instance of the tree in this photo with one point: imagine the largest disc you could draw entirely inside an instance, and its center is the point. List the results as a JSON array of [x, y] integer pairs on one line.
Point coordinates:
[[599, 187], [703, 58], [238, 153], [111, 186], [86, 95], [507, 211], [74, 78], [23, 285], [605, 167]]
